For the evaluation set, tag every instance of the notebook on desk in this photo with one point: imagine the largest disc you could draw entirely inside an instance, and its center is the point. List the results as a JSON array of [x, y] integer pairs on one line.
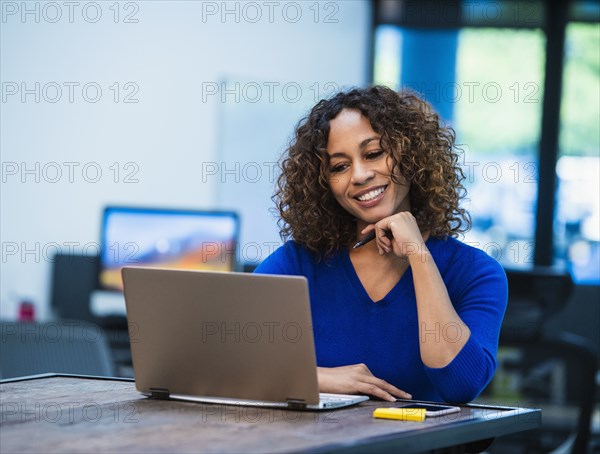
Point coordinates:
[[224, 337]]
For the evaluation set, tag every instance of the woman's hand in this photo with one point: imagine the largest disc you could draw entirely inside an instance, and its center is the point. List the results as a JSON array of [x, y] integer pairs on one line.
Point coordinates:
[[398, 233], [356, 379]]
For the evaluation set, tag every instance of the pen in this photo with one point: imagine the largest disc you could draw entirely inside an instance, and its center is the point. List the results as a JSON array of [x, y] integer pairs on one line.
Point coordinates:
[[368, 238]]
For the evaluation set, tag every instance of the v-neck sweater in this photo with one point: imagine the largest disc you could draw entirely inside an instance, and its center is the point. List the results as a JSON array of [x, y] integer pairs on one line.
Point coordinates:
[[350, 328]]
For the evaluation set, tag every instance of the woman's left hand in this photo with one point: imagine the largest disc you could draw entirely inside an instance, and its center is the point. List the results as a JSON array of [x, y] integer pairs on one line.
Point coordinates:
[[398, 233]]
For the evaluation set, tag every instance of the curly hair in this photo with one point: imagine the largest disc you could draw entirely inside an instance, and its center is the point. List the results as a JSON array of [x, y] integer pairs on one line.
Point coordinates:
[[422, 151]]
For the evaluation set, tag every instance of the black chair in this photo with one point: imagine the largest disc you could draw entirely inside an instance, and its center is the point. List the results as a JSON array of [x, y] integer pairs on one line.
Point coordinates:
[[74, 278], [535, 296], [68, 346]]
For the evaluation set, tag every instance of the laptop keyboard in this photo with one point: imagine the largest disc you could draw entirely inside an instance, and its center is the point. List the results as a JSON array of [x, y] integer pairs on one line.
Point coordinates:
[[332, 399]]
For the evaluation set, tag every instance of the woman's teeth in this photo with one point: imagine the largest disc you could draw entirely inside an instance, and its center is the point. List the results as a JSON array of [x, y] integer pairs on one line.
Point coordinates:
[[370, 195]]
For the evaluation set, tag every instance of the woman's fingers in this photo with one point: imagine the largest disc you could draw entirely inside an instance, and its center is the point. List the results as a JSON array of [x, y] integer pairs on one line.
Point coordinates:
[[384, 390], [383, 242], [398, 233], [357, 378], [367, 229]]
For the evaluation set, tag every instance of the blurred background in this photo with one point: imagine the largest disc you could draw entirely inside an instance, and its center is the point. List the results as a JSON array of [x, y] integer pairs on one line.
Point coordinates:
[[148, 132]]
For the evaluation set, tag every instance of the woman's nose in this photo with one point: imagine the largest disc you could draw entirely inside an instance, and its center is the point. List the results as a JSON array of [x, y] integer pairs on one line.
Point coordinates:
[[361, 173]]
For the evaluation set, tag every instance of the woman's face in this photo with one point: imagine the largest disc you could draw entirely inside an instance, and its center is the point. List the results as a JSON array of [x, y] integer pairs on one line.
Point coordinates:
[[359, 170]]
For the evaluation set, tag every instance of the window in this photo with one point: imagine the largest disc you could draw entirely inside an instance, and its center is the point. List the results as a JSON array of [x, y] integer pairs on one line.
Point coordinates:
[[577, 226], [491, 72], [388, 44], [499, 80], [493, 100]]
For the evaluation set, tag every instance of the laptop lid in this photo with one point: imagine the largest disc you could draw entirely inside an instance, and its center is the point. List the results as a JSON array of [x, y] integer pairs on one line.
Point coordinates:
[[221, 334]]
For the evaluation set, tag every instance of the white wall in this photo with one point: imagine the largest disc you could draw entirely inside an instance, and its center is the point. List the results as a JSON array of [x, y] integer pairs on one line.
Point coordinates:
[[170, 57]]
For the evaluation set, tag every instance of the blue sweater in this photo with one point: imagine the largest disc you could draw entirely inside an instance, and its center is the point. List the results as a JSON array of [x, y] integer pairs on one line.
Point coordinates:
[[349, 328]]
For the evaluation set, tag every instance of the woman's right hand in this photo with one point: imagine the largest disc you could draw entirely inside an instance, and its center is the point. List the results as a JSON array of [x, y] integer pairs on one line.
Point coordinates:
[[357, 379]]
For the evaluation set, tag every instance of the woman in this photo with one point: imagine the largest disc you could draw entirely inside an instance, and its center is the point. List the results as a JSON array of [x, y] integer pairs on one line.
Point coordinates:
[[413, 313]]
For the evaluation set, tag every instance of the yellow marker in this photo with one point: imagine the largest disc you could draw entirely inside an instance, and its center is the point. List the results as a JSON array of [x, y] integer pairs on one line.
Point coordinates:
[[402, 414]]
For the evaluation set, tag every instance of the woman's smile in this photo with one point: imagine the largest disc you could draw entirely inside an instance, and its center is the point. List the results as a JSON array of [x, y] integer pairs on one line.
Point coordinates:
[[370, 197]]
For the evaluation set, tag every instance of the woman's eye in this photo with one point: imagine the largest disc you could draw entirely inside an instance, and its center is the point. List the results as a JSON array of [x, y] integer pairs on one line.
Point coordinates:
[[374, 154], [337, 168]]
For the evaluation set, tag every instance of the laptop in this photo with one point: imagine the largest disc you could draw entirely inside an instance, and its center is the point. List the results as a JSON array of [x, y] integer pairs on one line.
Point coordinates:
[[224, 337]]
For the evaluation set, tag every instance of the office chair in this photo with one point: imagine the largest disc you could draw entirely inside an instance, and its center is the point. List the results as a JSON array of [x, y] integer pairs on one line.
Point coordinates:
[[74, 278], [560, 367], [68, 346]]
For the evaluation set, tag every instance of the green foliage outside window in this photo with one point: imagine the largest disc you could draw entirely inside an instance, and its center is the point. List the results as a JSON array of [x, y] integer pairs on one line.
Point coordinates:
[[504, 112], [580, 105]]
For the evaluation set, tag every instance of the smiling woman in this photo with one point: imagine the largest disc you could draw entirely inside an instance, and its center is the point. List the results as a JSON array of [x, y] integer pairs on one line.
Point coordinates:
[[416, 147], [415, 312]]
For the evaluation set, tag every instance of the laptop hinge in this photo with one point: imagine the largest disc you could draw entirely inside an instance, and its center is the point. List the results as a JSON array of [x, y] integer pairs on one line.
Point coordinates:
[[296, 404], [159, 393]]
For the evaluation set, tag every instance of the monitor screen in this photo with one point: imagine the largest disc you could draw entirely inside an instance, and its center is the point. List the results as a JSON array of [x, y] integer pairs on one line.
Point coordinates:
[[165, 238]]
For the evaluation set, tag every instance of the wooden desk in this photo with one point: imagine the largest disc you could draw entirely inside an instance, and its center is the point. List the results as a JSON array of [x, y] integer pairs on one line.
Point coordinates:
[[60, 413]]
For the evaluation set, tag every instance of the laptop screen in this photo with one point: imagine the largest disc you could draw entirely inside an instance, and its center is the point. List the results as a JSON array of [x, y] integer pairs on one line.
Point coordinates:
[[165, 238]]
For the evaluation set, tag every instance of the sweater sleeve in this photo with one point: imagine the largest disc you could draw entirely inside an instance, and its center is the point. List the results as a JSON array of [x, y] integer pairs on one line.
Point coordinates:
[[480, 304]]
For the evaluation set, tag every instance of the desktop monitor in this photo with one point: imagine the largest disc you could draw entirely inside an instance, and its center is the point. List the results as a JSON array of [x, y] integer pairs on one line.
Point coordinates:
[[165, 238]]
